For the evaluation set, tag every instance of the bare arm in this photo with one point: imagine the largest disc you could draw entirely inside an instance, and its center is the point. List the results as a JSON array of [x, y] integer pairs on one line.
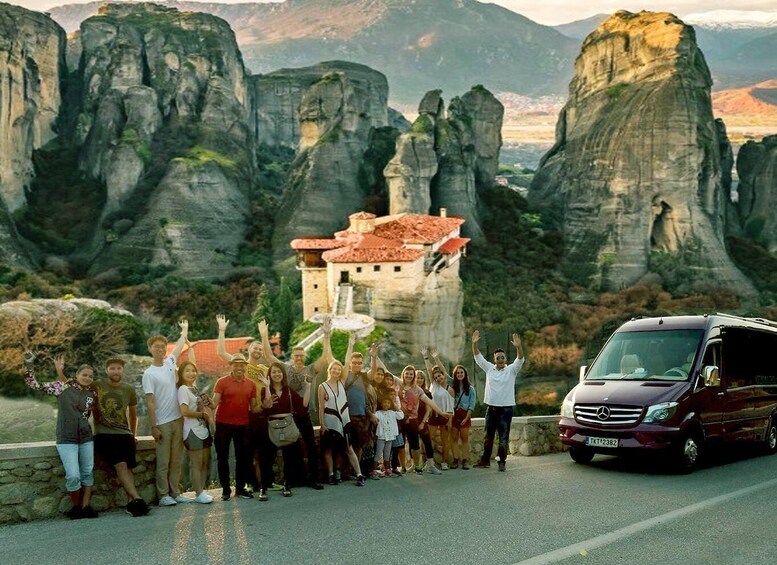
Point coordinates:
[[221, 350], [428, 401], [132, 413], [216, 400], [349, 351], [517, 345], [190, 413], [326, 357], [373, 361], [321, 405], [439, 363], [192, 357], [151, 406], [306, 396], [184, 325], [264, 332], [475, 338], [427, 363]]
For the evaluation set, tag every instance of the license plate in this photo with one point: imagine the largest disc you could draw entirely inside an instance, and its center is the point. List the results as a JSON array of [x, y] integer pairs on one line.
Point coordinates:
[[601, 441]]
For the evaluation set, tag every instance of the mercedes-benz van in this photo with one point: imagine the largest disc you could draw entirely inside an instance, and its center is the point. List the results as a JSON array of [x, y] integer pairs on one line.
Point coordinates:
[[675, 384]]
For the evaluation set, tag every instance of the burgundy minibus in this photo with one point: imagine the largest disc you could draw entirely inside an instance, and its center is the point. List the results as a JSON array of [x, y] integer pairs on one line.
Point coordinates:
[[673, 385]]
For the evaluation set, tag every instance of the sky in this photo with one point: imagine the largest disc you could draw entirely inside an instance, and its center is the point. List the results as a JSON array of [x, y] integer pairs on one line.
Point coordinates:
[[549, 12]]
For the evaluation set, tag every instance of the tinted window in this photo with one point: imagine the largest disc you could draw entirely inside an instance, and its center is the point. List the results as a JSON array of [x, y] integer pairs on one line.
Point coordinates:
[[748, 358]]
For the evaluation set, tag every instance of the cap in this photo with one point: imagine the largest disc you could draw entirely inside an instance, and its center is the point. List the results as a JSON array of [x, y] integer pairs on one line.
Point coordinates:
[[122, 362]]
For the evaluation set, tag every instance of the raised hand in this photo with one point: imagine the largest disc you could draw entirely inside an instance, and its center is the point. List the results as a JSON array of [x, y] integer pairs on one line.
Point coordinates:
[[263, 329], [425, 352], [59, 363], [516, 341], [326, 326], [475, 336], [222, 321], [374, 350], [184, 325], [435, 354]]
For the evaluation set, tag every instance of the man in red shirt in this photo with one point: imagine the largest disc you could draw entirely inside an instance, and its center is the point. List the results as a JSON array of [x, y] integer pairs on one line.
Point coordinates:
[[234, 397]]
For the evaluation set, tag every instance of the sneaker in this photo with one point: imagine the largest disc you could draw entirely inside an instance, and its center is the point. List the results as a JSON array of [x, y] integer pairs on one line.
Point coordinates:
[[464, 466], [226, 495], [338, 476], [501, 465], [203, 498], [167, 500], [263, 496], [455, 464], [245, 494], [432, 468], [388, 473], [276, 486], [74, 513], [419, 471], [137, 507], [286, 491], [316, 486], [183, 499], [360, 481], [444, 467], [482, 464], [332, 480], [88, 512], [374, 475]]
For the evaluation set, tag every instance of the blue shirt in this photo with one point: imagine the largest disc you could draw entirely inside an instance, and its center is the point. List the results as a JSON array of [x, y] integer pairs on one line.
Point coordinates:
[[467, 401], [356, 392]]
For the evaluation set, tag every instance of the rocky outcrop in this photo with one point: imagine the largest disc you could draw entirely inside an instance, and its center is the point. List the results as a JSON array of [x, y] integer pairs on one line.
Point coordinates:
[[32, 57], [636, 166], [277, 96], [410, 172], [165, 105], [337, 114], [757, 204]]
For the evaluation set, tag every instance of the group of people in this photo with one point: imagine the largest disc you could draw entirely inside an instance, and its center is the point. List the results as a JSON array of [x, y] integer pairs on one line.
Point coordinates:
[[373, 424]]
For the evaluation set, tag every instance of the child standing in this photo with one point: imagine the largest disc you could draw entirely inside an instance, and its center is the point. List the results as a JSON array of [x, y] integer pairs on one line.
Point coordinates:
[[386, 433]]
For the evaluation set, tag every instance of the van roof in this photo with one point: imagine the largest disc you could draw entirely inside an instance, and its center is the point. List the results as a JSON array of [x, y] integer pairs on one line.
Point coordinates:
[[695, 322]]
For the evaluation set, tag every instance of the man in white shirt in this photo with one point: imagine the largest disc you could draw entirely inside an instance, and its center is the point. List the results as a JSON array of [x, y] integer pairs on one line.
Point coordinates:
[[499, 398], [164, 416]]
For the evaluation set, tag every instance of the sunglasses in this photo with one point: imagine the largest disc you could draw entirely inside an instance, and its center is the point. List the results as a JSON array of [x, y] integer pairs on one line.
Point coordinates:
[[500, 357]]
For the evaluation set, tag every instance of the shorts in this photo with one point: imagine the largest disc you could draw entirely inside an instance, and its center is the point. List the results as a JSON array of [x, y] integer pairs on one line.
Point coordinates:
[[437, 420], [359, 431], [411, 434], [116, 448], [192, 442], [399, 441], [334, 441]]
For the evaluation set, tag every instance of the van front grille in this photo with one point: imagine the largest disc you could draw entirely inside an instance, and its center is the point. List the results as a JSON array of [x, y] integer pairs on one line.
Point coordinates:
[[607, 414]]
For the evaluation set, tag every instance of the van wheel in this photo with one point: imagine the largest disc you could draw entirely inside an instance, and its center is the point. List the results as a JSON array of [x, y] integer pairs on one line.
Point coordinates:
[[689, 453], [770, 443], [581, 455]]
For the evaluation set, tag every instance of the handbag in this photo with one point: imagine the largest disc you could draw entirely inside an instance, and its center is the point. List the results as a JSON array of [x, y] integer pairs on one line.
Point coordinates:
[[283, 430], [459, 413]]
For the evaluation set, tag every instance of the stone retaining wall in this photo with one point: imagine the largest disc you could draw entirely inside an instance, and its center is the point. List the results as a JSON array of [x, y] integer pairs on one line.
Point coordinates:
[[32, 484]]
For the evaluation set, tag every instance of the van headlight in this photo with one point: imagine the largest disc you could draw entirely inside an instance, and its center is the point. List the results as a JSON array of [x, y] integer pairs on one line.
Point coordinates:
[[660, 412], [568, 409]]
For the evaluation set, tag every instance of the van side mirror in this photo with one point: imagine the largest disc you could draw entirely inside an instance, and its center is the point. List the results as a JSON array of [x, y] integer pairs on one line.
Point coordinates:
[[581, 374], [711, 375]]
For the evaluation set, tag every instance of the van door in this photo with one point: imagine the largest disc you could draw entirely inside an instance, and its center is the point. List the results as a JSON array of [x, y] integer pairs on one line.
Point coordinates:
[[737, 378], [710, 401]]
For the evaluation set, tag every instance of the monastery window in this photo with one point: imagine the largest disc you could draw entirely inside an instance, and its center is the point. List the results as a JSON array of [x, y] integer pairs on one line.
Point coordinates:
[[315, 286], [315, 309], [376, 268], [397, 268], [358, 269]]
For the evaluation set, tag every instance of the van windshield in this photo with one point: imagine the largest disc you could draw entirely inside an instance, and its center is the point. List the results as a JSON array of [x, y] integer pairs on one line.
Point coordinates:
[[666, 355]]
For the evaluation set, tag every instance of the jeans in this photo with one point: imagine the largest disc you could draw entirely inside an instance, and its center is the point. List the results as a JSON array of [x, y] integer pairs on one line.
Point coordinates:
[[226, 433], [497, 418], [383, 451], [169, 458], [78, 461]]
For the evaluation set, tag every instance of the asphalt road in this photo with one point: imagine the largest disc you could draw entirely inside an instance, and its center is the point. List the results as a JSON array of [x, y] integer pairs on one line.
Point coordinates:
[[542, 510]]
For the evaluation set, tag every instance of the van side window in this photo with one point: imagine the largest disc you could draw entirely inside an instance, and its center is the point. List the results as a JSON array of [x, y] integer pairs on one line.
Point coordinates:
[[748, 361], [711, 358]]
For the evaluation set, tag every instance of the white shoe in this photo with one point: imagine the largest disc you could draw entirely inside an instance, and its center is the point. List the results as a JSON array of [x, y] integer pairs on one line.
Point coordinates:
[[431, 468], [203, 498], [183, 499], [445, 467], [167, 500]]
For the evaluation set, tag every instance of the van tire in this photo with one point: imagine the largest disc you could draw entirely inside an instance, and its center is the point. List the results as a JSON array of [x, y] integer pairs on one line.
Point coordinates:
[[581, 455], [770, 441], [689, 453]]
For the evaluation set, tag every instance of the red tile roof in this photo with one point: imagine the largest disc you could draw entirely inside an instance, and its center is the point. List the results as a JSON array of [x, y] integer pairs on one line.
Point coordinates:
[[354, 254], [208, 361], [418, 228], [453, 245], [317, 243]]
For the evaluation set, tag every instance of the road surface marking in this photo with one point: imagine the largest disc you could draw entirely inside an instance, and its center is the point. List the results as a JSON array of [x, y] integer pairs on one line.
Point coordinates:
[[605, 539]]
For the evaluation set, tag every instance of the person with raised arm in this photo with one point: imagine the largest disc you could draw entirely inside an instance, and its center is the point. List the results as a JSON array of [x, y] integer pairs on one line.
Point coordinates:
[[164, 415], [334, 416], [75, 443], [463, 407], [358, 391], [439, 426], [499, 398], [298, 375]]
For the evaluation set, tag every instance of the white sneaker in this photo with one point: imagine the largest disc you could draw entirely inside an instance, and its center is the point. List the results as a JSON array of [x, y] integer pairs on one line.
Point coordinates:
[[183, 499], [431, 468], [203, 498], [444, 466], [167, 500]]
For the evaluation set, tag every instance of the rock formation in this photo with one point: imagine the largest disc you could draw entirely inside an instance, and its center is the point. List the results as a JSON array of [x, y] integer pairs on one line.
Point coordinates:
[[757, 204], [32, 57], [165, 95], [636, 166], [337, 113]]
